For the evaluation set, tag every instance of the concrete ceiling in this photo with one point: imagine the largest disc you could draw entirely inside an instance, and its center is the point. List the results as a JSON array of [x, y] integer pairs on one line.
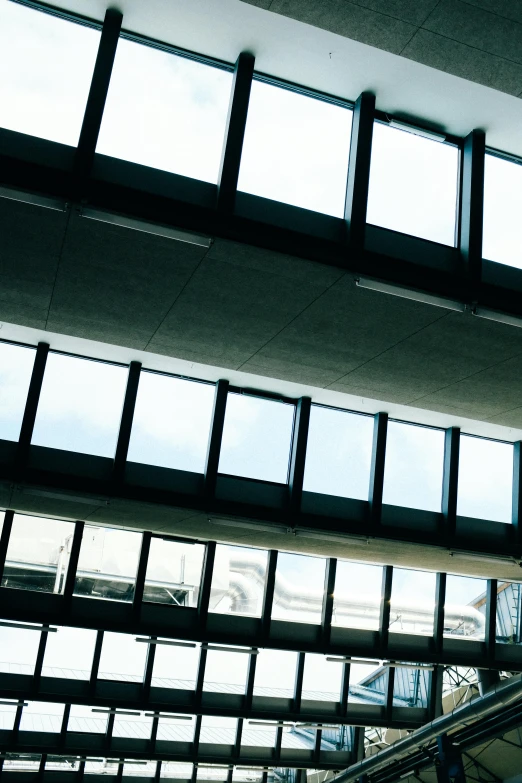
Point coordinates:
[[254, 312]]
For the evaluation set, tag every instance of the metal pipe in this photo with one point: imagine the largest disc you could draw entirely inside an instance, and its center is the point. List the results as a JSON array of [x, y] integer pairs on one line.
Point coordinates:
[[478, 707]]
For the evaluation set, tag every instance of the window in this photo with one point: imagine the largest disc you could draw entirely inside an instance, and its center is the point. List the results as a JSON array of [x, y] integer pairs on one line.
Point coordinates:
[[275, 673], [38, 554], [18, 649], [413, 184], [357, 596], [171, 422], [7, 715], [176, 728], [257, 734], [84, 720], [122, 658], [46, 66], [238, 581], [465, 607], [80, 405], [175, 769], [101, 766], [108, 563], [176, 667], [509, 613], [218, 731], [256, 438], [502, 205], [414, 465], [296, 149], [133, 726], [339, 453], [368, 683], [16, 366], [42, 716], [166, 112], [485, 479], [225, 672], [173, 572], [299, 587], [69, 653], [412, 607], [321, 679], [139, 768]]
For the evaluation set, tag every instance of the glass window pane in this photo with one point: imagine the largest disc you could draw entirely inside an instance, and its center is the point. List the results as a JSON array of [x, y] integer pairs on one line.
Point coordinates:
[[69, 653], [275, 673], [412, 608], [171, 422], [80, 405], [18, 649], [42, 716], [256, 438], [502, 241], [108, 563], [357, 596], [414, 465], [213, 772], [139, 768], [173, 573], [175, 769], [132, 726], [84, 720], [368, 683], [258, 736], [338, 454], [226, 672], [218, 731], [38, 554], [321, 679], [122, 658], [413, 184], [177, 729], [485, 479], [176, 667], [465, 607], [100, 766], [296, 149], [46, 66], [166, 112], [238, 581], [299, 587], [16, 366], [509, 612], [7, 715]]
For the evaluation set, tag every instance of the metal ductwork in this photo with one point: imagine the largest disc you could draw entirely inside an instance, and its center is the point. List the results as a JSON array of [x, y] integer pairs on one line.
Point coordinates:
[[504, 694]]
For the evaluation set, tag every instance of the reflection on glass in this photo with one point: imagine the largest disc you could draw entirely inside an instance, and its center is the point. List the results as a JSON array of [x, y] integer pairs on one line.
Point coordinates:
[[412, 608], [16, 366], [132, 726], [485, 479], [80, 405], [175, 667], [238, 580], [175, 769], [275, 673], [465, 607], [411, 687], [414, 465], [368, 683], [46, 65], [296, 149], [258, 736], [99, 766], [69, 653], [139, 768], [225, 672], [339, 452], [122, 658], [166, 112], [42, 716], [173, 573], [413, 184], [357, 595], [256, 438], [509, 612], [38, 554], [217, 730], [18, 649], [299, 586], [176, 729], [502, 241], [84, 720], [337, 737], [21, 761], [171, 423], [214, 772], [7, 716], [321, 679], [108, 563]]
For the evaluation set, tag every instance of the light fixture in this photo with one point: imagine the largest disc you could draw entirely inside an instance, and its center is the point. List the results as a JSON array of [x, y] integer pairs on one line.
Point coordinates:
[[164, 641], [271, 723], [410, 293], [427, 134], [477, 557], [314, 726], [13, 703], [39, 628], [247, 523], [39, 200], [338, 539], [496, 315], [114, 711], [64, 496], [167, 715], [216, 648], [416, 666], [145, 226], [347, 659]]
